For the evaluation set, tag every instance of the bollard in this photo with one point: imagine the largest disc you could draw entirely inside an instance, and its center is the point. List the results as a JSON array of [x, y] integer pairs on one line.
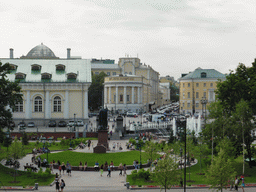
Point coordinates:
[[36, 186]]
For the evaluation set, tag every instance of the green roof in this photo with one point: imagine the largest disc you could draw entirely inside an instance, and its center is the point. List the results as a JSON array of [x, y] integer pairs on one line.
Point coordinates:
[[199, 74]]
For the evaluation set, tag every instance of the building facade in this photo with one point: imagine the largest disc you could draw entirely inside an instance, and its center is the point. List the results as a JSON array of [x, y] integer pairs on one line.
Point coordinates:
[[52, 88], [130, 85], [198, 89]]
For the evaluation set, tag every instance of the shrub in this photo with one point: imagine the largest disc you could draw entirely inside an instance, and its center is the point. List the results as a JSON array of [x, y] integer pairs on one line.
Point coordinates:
[[48, 171], [142, 174]]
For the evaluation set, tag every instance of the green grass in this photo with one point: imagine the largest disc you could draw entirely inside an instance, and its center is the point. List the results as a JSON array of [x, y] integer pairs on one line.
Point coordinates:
[[23, 178], [74, 158], [250, 174]]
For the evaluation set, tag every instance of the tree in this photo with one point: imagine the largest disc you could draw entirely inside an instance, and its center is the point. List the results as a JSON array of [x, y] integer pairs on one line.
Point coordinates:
[[151, 150], [25, 140], [95, 93], [166, 172], [10, 94], [16, 152], [220, 171]]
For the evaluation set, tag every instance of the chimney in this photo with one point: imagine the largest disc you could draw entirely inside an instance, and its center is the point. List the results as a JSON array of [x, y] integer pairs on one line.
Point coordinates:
[[11, 53], [68, 53]]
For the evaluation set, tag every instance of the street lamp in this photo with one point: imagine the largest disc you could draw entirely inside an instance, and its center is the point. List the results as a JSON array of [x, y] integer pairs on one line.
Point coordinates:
[[139, 146]]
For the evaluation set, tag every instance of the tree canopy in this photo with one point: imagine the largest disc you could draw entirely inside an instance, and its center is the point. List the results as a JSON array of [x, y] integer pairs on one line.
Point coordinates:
[[10, 94], [95, 93]]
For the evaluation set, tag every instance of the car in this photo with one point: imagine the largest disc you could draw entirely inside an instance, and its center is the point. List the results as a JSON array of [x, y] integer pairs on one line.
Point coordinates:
[[31, 124], [71, 123], [62, 124], [131, 114], [52, 123], [22, 124], [80, 123]]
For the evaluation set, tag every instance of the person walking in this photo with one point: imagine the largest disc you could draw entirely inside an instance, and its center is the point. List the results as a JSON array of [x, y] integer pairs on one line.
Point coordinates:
[[109, 171], [242, 185], [124, 167], [62, 185], [236, 183], [57, 183], [89, 144], [101, 170], [63, 167], [120, 167]]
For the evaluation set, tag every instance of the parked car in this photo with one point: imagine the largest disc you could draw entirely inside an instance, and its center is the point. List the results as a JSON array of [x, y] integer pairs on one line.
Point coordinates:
[[80, 123], [31, 124], [71, 123], [52, 123], [131, 114], [62, 124], [22, 124]]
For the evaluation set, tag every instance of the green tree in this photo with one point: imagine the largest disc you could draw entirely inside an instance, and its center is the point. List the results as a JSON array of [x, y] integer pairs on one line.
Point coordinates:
[[25, 139], [16, 152], [10, 94], [166, 172], [151, 150], [95, 93], [220, 172]]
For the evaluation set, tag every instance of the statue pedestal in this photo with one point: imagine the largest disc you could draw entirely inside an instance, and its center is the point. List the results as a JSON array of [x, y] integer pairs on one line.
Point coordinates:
[[102, 145]]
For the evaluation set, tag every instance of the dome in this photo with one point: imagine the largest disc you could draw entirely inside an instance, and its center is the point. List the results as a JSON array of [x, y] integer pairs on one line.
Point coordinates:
[[40, 52]]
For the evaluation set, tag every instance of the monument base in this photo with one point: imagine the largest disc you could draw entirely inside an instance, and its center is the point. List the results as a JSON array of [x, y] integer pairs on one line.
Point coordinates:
[[102, 145]]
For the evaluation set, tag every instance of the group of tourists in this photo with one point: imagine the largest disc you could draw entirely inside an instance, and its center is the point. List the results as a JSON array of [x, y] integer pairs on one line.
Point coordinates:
[[235, 183], [60, 184], [63, 167]]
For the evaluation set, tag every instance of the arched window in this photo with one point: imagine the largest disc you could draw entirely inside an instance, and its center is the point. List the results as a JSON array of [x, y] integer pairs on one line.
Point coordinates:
[[19, 107], [38, 104], [57, 104]]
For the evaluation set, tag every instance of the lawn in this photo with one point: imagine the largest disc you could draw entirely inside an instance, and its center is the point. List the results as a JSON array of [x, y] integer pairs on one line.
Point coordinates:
[[23, 178], [195, 178], [74, 158]]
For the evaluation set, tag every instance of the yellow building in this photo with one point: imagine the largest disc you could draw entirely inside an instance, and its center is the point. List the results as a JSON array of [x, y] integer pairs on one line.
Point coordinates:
[[130, 85], [196, 87], [52, 88]]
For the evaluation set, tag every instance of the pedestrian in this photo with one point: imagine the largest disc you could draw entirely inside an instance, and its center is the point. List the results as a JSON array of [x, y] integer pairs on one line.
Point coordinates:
[[89, 144], [236, 183], [59, 169], [124, 167], [101, 170], [69, 169], [39, 162], [57, 183], [109, 171], [114, 145], [62, 185], [63, 167], [242, 185], [120, 167]]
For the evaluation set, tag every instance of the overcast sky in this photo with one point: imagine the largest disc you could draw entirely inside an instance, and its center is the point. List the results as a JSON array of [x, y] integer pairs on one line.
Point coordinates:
[[172, 36]]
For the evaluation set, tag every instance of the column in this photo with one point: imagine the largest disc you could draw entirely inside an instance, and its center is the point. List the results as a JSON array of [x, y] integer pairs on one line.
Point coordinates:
[[28, 106], [47, 109], [86, 104], [66, 105], [125, 95], [109, 94], [132, 94], [138, 94], [105, 95], [116, 95]]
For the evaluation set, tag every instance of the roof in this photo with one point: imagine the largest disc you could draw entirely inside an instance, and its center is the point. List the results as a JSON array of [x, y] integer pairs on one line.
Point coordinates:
[[210, 74], [40, 52], [81, 67], [105, 66]]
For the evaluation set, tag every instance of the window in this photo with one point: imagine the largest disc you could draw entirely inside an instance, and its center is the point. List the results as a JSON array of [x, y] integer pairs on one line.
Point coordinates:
[[19, 107], [203, 75], [35, 67], [128, 97], [114, 98], [188, 105], [197, 105], [188, 94], [60, 67], [197, 95], [205, 94], [96, 73], [13, 67], [204, 84], [211, 84], [114, 73], [108, 73], [20, 76], [188, 84], [121, 97], [183, 84], [57, 104], [38, 104], [46, 76], [130, 73], [197, 84], [183, 104], [71, 75]]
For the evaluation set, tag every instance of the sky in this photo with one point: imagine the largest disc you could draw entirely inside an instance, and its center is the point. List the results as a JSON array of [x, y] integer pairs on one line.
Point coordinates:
[[172, 36]]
